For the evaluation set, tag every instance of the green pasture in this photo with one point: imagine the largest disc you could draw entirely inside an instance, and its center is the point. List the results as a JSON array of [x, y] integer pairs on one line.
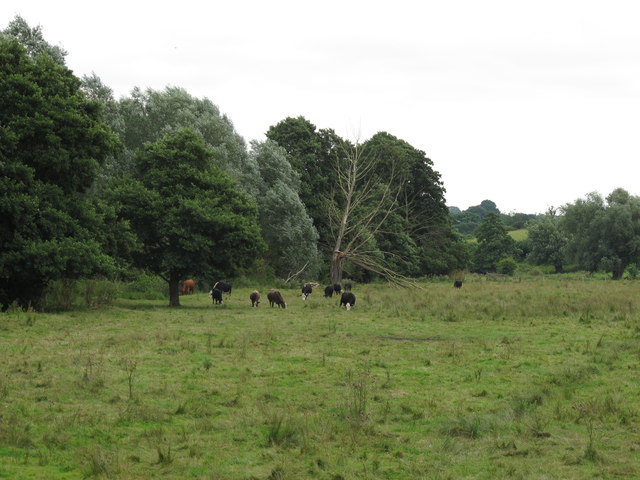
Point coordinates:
[[519, 235], [504, 378]]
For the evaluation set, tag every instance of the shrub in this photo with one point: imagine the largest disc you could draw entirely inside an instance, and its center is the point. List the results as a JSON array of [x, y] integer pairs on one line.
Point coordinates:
[[146, 287], [506, 266], [98, 293], [632, 271], [58, 295]]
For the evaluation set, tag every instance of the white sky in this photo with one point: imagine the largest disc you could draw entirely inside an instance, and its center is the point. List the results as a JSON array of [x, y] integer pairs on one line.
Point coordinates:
[[529, 104]]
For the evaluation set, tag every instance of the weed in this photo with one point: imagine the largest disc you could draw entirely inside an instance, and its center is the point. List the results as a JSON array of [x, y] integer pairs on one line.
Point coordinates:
[[130, 366], [100, 463], [207, 364], [282, 430]]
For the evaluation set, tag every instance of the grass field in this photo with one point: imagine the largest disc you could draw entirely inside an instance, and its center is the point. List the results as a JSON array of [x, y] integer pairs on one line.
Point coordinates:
[[504, 378], [519, 235]]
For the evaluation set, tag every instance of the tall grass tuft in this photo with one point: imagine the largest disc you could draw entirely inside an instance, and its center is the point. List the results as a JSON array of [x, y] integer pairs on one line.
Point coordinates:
[[59, 295]]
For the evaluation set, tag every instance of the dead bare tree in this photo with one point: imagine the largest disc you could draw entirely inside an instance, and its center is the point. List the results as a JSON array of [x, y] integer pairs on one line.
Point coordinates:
[[362, 201]]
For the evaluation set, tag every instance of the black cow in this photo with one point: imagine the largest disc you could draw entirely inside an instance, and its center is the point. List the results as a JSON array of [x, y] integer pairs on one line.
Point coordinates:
[[222, 286], [255, 298], [275, 298], [328, 291], [457, 284], [348, 299], [337, 288], [347, 287], [216, 295], [307, 288]]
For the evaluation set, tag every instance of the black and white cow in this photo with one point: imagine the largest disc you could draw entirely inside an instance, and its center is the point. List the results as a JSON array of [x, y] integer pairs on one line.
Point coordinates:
[[328, 291], [348, 300], [216, 296], [222, 286], [255, 298], [307, 288], [275, 298]]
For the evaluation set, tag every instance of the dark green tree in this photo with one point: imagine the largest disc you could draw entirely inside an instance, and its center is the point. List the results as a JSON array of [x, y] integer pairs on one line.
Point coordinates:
[[188, 215], [52, 141], [313, 154], [604, 235], [425, 237], [494, 244]]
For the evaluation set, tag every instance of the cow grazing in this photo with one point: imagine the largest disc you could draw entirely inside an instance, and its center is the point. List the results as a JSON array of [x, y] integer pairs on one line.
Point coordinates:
[[222, 286], [337, 288], [348, 299], [328, 291], [275, 298], [347, 287], [255, 298], [457, 284], [216, 295], [188, 287], [307, 288]]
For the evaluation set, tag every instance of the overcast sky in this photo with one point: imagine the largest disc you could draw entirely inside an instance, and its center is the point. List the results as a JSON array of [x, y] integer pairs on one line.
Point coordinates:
[[529, 104]]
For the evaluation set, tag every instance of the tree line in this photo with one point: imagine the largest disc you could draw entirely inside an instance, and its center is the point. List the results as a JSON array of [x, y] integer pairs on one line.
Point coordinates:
[[160, 181], [593, 234]]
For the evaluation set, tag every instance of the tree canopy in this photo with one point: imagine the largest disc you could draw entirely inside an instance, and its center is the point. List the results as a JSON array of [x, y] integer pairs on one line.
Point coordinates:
[[287, 228], [604, 233], [188, 215], [52, 140], [494, 244]]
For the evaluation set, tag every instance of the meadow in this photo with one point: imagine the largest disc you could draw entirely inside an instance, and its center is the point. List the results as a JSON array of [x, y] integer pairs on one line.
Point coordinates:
[[535, 378]]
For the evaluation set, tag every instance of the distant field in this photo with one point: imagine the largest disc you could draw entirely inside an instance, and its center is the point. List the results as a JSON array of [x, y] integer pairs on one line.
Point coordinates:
[[504, 378], [519, 235]]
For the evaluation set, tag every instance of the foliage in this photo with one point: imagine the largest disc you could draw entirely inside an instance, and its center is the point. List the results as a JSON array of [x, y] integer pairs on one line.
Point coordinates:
[[506, 266], [548, 242], [188, 215], [466, 222], [146, 116], [603, 234], [288, 230], [33, 40], [52, 141], [313, 154], [418, 234], [494, 244]]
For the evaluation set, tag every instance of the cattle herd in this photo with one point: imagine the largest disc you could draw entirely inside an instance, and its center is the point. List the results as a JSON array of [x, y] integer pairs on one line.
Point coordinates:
[[347, 298]]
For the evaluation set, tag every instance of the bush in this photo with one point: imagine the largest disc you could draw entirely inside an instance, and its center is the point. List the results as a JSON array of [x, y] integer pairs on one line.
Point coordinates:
[[58, 295], [506, 266], [145, 287], [98, 293], [632, 271]]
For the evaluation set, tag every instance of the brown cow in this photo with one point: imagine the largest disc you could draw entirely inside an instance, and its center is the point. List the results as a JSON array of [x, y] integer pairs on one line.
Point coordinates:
[[255, 298], [275, 298], [188, 287]]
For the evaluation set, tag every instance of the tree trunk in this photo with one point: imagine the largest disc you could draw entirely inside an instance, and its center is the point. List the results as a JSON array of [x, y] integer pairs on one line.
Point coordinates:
[[617, 274], [174, 289], [559, 269], [336, 267]]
